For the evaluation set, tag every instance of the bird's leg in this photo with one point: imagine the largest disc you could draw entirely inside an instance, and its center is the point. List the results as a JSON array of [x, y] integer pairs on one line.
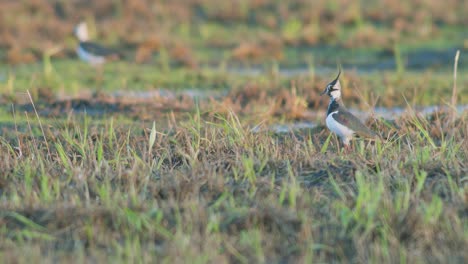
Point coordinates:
[[99, 76], [347, 145], [347, 148]]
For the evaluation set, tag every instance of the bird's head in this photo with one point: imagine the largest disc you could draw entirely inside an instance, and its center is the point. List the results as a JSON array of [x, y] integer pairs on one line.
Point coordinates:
[[81, 32], [333, 89]]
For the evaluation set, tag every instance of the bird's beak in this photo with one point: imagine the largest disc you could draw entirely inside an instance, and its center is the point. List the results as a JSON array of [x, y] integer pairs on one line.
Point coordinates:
[[322, 93]]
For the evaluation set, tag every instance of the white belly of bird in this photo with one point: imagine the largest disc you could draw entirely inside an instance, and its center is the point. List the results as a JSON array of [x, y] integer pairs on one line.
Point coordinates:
[[89, 58], [343, 132]]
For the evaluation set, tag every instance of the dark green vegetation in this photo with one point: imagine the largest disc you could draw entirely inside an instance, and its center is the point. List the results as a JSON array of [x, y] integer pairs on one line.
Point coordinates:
[[85, 174]]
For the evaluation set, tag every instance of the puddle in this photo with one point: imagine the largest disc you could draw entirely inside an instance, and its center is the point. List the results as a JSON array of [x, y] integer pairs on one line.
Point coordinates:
[[282, 71], [285, 128], [394, 112], [379, 112], [417, 60], [139, 103], [170, 94]]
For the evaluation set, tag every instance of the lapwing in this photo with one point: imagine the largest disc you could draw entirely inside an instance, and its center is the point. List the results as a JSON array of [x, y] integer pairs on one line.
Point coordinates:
[[91, 52], [339, 120]]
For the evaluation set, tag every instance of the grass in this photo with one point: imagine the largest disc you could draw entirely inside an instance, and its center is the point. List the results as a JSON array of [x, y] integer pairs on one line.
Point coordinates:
[[204, 188], [54, 80], [169, 155]]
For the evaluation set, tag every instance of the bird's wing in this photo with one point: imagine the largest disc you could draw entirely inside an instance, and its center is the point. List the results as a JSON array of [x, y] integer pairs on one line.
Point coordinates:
[[346, 118], [97, 49]]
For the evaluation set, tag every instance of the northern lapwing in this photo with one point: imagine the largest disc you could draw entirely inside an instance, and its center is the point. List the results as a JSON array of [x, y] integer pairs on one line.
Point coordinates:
[[339, 120], [91, 52]]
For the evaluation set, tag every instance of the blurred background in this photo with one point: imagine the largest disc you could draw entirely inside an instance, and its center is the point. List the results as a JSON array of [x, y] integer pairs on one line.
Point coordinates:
[[366, 34], [211, 44]]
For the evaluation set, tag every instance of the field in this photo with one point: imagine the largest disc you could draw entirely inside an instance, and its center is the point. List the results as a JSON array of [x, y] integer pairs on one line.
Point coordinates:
[[206, 142]]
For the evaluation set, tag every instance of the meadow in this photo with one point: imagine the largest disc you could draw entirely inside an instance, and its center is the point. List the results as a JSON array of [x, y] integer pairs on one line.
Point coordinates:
[[207, 142]]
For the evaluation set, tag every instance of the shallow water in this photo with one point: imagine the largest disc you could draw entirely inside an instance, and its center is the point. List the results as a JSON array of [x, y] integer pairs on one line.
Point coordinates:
[[416, 60], [170, 94], [391, 113], [285, 128], [379, 112]]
